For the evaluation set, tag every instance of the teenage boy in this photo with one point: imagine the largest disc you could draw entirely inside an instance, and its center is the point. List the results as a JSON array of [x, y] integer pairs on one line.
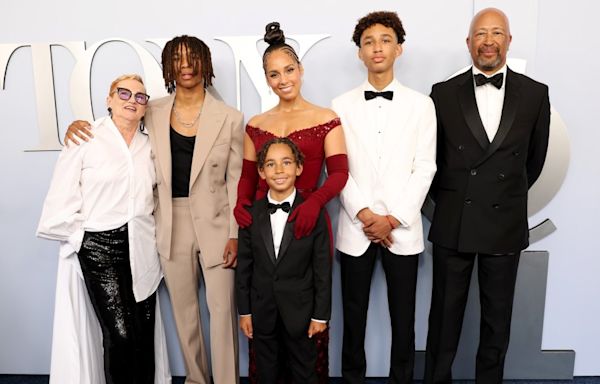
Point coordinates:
[[283, 284], [390, 135]]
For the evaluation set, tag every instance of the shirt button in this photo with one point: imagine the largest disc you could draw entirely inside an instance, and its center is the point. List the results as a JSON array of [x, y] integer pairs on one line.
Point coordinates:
[[496, 206], [461, 147], [501, 176], [473, 172], [468, 201], [516, 153]]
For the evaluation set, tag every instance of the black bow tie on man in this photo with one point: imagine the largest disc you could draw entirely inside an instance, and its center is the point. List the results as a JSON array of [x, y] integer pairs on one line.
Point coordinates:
[[496, 80], [385, 94], [285, 207]]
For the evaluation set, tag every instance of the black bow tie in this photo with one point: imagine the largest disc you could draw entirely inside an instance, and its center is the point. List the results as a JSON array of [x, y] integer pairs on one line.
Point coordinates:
[[496, 80], [285, 207], [386, 95]]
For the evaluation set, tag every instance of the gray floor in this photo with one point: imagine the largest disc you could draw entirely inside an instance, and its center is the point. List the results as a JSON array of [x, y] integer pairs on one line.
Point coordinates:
[[34, 379]]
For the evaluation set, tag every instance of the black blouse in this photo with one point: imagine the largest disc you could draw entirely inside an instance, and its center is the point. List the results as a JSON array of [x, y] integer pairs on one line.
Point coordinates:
[[182, 151]]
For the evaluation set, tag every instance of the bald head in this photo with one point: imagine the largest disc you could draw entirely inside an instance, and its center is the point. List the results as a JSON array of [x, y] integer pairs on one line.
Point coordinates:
[[490, 12], [489, 39]]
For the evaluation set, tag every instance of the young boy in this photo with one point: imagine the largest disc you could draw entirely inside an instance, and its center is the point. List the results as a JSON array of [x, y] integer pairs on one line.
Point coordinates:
[[390, 135], [283, 284]]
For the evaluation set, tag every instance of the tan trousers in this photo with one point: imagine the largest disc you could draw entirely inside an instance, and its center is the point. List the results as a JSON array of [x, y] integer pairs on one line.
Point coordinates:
[[182, 276]]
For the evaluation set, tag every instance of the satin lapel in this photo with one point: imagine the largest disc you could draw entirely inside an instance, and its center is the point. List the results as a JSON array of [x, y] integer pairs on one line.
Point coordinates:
[[288, 232], [468, 104], [160, 125], [210, 124], [509, 111], [264, 222], [360, 127]]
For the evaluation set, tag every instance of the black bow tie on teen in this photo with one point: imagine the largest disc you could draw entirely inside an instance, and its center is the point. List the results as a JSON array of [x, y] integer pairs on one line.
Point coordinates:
[[285, 207], [386, 95], [496, 80]]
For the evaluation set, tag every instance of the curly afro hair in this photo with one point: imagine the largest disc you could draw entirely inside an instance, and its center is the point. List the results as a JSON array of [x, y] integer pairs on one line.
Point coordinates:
[[385, 18]]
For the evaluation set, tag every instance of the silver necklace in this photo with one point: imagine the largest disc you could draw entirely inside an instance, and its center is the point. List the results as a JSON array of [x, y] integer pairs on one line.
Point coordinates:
[[180, 121]]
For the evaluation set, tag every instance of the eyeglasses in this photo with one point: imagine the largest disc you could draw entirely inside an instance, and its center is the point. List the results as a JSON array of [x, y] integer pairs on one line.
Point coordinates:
[[125, 94]]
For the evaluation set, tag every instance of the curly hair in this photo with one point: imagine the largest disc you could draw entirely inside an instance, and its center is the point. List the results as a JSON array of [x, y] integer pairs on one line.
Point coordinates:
[[262, 154], [198, 56], [276, 39], [385, 18]]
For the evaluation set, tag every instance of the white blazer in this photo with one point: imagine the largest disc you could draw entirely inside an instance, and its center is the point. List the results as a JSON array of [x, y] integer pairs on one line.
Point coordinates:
[[391, 180]]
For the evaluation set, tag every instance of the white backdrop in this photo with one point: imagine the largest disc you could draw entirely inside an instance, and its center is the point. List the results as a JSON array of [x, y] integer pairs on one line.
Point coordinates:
[[555, 37]]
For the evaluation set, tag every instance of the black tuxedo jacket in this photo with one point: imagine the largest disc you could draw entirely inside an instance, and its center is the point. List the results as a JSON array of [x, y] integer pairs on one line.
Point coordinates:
[[297, 283], [480, 189]]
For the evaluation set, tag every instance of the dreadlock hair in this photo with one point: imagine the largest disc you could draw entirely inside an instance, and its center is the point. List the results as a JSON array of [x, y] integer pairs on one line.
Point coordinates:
[[385, 18], [276, 39], [262, 153], [198, 57]]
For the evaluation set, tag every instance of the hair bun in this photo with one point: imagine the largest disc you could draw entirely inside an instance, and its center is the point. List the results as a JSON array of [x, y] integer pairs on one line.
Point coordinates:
[[273, 34]]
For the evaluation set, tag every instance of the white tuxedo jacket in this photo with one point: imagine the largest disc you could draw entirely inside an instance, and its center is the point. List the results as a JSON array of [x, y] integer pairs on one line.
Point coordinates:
[[391, 180]]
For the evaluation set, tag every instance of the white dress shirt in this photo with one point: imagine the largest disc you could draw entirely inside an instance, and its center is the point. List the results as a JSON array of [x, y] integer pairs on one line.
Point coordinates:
[[279, 218], [490, 101], [377, 111], [101, 185]]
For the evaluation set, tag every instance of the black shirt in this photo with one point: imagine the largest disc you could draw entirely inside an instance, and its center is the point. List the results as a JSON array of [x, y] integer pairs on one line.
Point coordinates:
[[182, 151]]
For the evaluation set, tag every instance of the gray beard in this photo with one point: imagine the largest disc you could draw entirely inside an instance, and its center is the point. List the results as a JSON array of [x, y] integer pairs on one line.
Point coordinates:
[[487, 65]]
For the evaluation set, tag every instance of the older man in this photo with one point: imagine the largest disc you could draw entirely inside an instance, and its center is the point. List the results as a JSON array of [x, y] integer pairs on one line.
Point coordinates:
[[493, 127]]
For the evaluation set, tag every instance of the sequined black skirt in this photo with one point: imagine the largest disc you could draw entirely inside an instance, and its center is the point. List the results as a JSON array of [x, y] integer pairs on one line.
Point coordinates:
[[127, 326]]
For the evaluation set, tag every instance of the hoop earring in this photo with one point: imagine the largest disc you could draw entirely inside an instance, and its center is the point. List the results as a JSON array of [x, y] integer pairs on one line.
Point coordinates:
[[143, 126]]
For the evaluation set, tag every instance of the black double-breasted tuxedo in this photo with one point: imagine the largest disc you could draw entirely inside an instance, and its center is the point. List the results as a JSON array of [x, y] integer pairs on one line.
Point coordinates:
[[480, 188], [480, 193], [283, 291]]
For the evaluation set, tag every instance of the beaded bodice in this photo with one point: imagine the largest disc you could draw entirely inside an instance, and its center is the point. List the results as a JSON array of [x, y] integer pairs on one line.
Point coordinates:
[[310, 141]]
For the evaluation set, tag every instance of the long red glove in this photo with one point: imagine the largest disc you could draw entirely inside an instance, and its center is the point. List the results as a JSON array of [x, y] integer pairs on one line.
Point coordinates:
[[245, 193], [307, 213]]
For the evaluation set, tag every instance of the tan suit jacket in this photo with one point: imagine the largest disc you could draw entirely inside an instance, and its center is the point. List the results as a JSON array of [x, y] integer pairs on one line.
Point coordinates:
[[216, 168]]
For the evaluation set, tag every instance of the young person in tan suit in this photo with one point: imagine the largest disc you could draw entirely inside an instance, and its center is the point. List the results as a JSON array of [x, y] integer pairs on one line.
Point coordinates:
[[197, 151]]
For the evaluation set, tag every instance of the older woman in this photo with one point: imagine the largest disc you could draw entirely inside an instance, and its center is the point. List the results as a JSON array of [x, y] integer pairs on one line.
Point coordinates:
[[99, 207]]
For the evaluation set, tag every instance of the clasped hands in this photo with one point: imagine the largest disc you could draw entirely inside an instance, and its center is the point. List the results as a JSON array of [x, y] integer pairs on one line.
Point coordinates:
[[378, 228]]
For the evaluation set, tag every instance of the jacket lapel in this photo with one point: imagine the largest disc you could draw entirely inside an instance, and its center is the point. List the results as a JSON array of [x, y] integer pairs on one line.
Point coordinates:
[[468, 104], [211, 121], [288, 231], [509, 111], [159, 126], [357, 115], [402, 108], [264, 223]]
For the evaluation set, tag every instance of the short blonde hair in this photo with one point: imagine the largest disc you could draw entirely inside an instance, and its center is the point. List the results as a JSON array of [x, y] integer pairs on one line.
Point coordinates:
[[132, 76]]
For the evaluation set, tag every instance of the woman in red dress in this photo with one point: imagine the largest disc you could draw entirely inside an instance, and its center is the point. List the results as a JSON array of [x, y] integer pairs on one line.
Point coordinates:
[[317, 132]]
